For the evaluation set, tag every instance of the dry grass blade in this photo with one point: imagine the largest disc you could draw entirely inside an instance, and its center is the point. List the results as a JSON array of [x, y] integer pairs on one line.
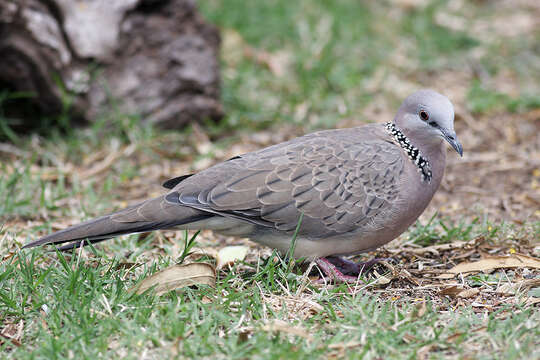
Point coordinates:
[[491, 263], [178, 276], [235, 47], [437, 249], [285, 327], [107, 162], [514, 288]]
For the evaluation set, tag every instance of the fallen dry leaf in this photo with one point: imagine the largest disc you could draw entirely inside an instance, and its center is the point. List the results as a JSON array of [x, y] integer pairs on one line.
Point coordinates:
[[178, 276], [469, 293], [229, 254], [491, 263], [451, 291], [455, 291]]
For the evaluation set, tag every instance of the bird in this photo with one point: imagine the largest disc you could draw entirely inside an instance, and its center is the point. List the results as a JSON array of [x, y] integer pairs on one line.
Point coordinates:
[[336, 192]]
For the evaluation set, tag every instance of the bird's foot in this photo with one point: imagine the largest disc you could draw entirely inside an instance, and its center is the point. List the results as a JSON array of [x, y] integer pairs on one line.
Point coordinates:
[[333, 272], [346, 271]]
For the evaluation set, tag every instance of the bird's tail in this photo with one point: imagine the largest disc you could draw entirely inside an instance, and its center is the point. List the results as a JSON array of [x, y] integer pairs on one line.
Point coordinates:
[[150, 215]]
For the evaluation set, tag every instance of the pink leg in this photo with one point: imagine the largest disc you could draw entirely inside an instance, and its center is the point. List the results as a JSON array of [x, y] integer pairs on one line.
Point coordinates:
[[342, 270], [332, 272]]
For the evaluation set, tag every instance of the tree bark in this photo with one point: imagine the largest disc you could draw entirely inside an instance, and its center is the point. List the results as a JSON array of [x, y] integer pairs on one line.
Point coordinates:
[[158, 59]]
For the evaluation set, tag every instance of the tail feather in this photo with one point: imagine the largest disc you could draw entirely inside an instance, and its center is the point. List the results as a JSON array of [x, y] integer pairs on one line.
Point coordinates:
[[109, 226], [81, 242]]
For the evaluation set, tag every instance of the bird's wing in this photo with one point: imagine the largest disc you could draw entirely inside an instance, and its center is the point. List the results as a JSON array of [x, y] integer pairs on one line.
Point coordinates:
[[339, 179]]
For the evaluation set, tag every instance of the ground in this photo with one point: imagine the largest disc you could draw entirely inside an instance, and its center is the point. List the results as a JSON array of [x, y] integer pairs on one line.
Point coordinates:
[[289, 68]]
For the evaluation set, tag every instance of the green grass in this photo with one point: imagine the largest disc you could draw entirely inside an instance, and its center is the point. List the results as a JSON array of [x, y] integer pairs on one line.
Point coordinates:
[[77, 307], [337, 48], [482, 100], [343, 57]]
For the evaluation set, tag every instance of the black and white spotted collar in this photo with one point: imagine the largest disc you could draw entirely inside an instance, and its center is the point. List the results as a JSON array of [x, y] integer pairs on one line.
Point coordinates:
[[412, 152]]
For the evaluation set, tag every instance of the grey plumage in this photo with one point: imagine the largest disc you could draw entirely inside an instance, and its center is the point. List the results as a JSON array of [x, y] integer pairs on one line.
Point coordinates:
[[356, 188]]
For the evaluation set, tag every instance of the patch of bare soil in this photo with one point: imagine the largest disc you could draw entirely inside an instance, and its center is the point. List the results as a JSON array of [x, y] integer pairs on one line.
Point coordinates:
[[499, 175]]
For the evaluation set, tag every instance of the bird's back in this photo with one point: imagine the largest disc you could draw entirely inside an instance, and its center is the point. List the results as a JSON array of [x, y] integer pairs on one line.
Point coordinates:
[[340, 180]]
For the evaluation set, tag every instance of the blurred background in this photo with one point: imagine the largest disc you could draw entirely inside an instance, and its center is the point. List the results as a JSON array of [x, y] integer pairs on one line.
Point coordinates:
[[102, 101], [281, 69]]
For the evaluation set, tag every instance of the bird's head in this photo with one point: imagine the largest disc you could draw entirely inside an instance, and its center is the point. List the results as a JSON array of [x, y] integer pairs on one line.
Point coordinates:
[[428, 117]]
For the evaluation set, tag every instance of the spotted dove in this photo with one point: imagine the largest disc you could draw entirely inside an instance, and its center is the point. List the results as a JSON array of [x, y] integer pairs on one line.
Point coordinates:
[[353, 189]]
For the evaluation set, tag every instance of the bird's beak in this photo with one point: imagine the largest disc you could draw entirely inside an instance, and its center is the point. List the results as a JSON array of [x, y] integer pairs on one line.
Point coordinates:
[[451, 137]]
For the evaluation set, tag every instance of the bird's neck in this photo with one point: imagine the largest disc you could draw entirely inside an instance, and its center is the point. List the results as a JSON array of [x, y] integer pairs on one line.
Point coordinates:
[[414, 154]]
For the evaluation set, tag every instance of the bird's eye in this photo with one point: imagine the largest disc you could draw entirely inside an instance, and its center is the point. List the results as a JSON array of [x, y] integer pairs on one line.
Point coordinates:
[[424, 115]]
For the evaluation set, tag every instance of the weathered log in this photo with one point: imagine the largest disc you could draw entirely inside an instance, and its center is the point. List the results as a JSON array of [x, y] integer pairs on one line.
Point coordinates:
[[158, 59]]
